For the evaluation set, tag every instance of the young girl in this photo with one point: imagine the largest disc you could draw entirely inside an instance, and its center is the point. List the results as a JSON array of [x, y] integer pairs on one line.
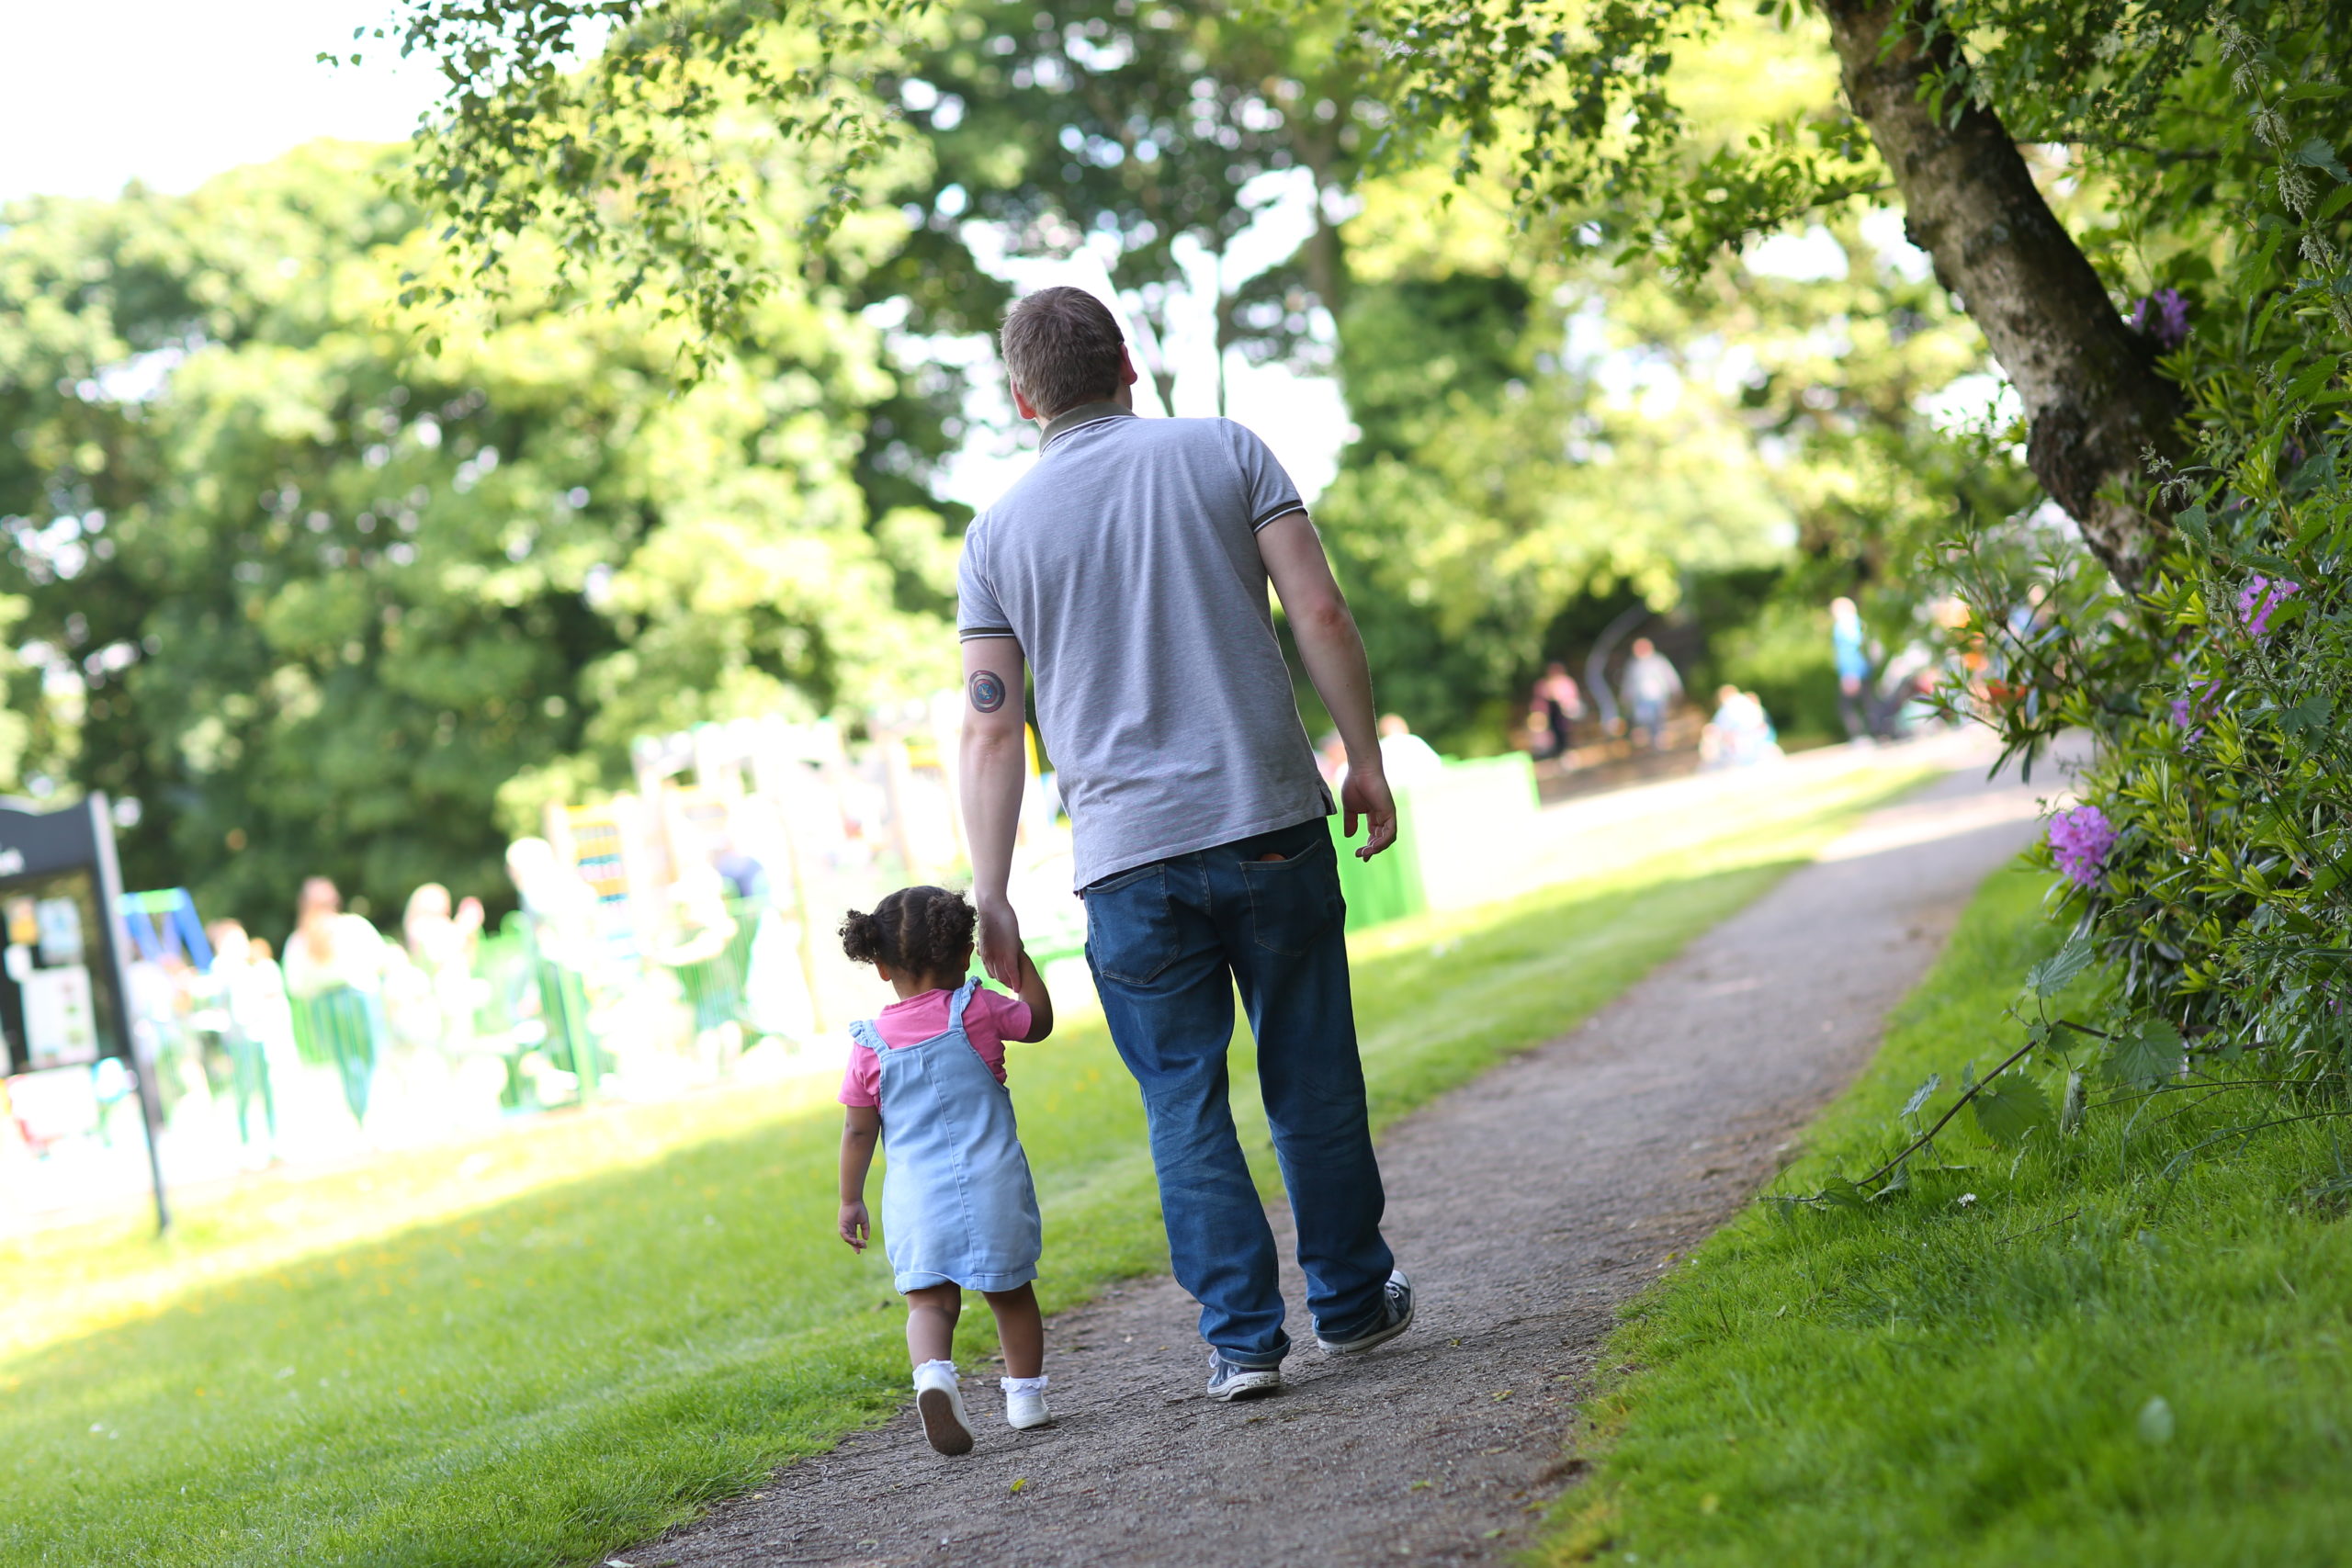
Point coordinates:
[[958, 1210]]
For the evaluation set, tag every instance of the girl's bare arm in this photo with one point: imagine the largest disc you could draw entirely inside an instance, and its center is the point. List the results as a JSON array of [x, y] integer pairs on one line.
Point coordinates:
[[1032, 989], [859, 1132]]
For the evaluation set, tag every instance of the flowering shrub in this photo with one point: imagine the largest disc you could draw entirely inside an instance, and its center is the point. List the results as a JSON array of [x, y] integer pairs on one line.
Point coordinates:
[[2209, 861], [2079, 841]]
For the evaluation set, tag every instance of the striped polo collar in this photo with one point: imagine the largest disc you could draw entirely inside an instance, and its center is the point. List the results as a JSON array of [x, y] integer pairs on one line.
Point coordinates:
[[1085, 413]]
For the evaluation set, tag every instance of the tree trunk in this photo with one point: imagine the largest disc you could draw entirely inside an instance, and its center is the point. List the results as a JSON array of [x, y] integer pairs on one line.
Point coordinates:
[[2093, 397]]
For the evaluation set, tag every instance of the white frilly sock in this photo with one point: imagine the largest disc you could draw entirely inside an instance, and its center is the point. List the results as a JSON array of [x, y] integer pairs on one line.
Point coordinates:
[[1024, 1385], [946, 1367]]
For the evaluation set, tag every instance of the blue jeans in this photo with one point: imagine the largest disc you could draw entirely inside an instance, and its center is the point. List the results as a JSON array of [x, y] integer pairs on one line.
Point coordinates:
[[1649, 720], [1168, 944]]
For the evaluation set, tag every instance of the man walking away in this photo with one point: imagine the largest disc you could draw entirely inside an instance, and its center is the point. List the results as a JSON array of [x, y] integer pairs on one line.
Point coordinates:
[[1652, 686], [1129, 567], [1853, 661]]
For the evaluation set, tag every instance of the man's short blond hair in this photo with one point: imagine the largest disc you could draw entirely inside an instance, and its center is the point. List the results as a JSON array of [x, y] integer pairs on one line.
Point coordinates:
[[1061, 347]]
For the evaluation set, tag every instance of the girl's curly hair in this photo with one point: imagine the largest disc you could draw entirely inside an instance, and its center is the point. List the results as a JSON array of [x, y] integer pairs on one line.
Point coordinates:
[[924, 932]]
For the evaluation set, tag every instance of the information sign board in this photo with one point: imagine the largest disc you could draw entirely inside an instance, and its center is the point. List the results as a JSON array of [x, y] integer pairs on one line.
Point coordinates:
[[62, 980]]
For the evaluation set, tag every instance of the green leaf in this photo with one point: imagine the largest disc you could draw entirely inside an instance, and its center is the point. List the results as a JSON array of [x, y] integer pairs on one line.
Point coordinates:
[[1919, 1096], [2009, 1110], [2318, 154], [1840, 1193], [2146, 1055], [2071, 1107], [2056, 972], [2309, 714]]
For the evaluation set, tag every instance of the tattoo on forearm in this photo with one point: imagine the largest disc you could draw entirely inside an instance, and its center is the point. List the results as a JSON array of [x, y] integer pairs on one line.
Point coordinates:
[[988, 691]]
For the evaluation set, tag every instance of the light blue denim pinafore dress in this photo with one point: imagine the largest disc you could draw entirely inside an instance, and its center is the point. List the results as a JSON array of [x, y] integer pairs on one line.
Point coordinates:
[[957, 1203]]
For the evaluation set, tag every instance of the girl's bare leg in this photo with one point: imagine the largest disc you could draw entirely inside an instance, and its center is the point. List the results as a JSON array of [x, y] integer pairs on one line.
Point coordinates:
[[1020, 1328], [931, 1313]]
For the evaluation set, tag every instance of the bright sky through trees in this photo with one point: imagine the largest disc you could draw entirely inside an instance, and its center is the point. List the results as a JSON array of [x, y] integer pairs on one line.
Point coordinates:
[[108, 91], [171, 93]]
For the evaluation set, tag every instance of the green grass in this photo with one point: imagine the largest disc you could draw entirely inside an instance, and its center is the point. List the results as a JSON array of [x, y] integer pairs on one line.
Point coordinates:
[[639, 1311], [1939, 1381]]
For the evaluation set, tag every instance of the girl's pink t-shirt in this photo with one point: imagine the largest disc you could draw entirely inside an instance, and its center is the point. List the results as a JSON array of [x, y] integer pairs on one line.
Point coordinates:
[[988, 1018]]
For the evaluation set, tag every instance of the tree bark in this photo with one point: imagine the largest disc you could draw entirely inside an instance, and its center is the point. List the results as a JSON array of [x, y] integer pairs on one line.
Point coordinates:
[[2095, 401]]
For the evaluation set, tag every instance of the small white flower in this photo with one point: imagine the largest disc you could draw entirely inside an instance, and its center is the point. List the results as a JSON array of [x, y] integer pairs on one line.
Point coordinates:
[[1966, 1199]]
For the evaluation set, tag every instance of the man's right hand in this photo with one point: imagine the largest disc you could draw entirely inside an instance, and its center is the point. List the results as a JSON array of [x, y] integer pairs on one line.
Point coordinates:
[[1000, 941], [1365, 794]]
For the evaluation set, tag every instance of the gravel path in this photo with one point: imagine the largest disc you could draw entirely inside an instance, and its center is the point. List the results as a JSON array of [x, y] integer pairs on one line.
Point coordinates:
[[1527, 1206]]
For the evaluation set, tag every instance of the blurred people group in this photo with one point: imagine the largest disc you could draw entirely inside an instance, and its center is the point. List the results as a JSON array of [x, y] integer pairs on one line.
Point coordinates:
[[1649, 688], [242, 1025], [340, 997]]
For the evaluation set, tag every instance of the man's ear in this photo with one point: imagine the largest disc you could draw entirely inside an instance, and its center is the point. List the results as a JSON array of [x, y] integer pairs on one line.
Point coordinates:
[[1129, 374], [1020, 404]]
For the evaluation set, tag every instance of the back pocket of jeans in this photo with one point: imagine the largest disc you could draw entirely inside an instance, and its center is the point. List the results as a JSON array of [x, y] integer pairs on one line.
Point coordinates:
[[1294, 902], [1130, 930]]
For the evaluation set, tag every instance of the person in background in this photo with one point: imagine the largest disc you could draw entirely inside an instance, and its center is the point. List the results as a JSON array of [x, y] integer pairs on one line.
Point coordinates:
[[1652, 687], [560, 909], [746, 876], [1561, 702], [334, 973], [1740, 734], [250, 1013], [712, 981], [273, 1015], [1535, 734], [1331, 760], [441, 941], [1849, 650], [1407, 758]]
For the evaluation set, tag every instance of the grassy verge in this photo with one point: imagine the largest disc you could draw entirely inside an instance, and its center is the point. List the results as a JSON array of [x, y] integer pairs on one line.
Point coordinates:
[[2085, 1362], [574, 1365]]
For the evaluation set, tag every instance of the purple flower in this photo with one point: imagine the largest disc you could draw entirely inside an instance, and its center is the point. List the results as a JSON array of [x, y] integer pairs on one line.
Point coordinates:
[[2079, 841], [2258, 598], [2191, 706], [2163, 316]]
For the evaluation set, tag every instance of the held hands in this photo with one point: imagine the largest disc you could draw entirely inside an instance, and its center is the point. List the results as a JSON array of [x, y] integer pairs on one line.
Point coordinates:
[[1000, 941], [855, 1228], [1365, 794]]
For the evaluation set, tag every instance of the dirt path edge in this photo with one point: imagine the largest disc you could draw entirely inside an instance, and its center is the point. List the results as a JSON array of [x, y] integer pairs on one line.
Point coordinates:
[[1528, 1204]]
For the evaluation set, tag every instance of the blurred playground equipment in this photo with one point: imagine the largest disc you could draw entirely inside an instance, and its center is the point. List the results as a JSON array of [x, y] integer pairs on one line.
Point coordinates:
[[674, 936]]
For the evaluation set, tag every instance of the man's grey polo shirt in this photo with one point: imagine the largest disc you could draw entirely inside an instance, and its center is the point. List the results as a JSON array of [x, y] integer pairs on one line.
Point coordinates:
[[1125, 562]]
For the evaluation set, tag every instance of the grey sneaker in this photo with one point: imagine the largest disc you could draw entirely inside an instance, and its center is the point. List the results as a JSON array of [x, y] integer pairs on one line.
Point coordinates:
[[1231, 1380], [1397, 1317]]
